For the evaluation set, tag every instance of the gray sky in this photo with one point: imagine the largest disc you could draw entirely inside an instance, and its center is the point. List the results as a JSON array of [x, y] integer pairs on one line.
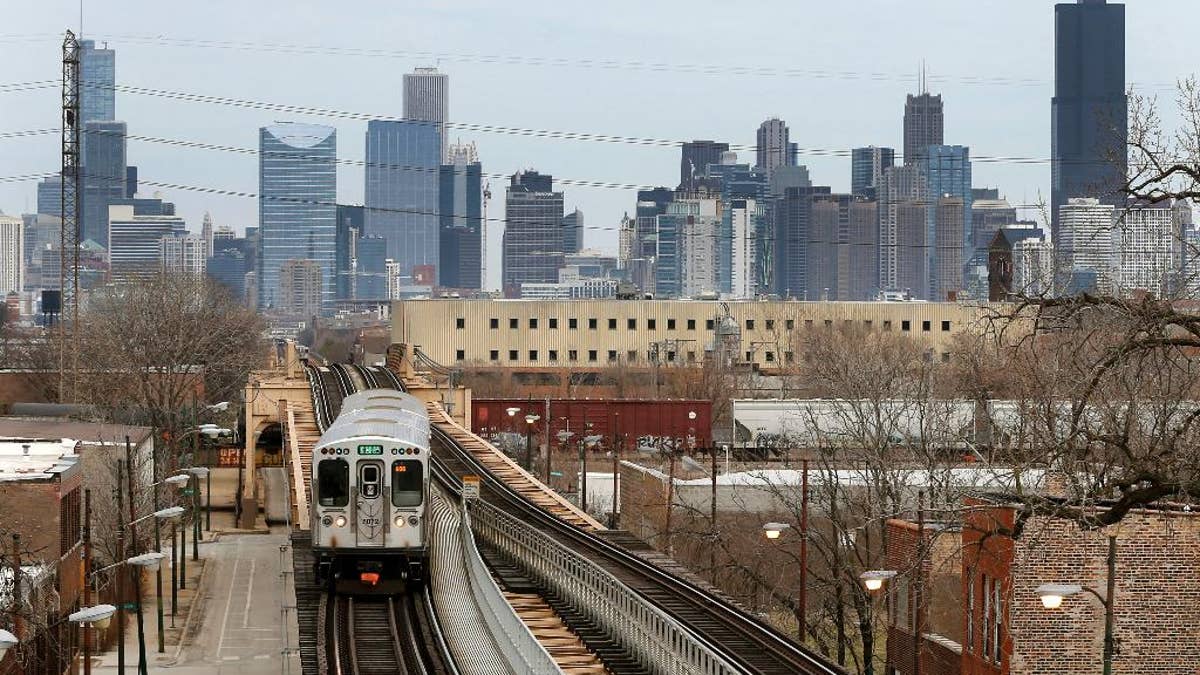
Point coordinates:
[[836, 72]]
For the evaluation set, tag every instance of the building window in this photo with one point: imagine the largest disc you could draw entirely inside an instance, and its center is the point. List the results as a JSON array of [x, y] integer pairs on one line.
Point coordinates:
[[905, 325], [945, 326], [987, 618], [749, 357], [512, 355], [612, 356], [554, 355], [513, 324], [869, 324], [829, 323], [770, 324], [493, 323], [533, 355], [945, 357], [789, 357], [652, 324], [573, 323], [460, 323], [770, 357], [572, 355], [612, 324], [592, 355], [887, 325], [592, 323], [631, 355], [970, 645], [553, 324], [691, 324], [459, 355], [708, 324], [494, 355], [670, 324], [997, 619], [670, 356], [749, 324], [691, 357], [789, 324], [532, 323], [631, 324], [924, 326]]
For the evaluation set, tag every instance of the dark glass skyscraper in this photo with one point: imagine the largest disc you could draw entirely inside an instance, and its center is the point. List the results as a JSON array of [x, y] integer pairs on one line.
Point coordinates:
[[349, 229], [403, 161], [532, 233], [104, 173], [371, 271], [297, 213], [1089, 111], [948, 174], [924, 123], [866, 169], [694, 160], [460, 214], [98, 75], [573, 232]]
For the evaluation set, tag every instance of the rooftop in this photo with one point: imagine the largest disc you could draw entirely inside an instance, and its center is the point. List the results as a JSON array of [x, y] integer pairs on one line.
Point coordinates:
[[56, 429], [35, 460]]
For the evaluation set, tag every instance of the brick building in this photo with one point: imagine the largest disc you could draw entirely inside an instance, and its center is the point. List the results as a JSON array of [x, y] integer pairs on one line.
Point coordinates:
[[924, 598]]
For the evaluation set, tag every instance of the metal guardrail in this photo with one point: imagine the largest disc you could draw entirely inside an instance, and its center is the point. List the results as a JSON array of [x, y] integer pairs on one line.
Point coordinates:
[[518, 644], [659, 642]]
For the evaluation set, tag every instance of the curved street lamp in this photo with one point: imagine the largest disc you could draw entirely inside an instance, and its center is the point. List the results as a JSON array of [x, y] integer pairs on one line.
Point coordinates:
[[7, 642], [773, 530], [1052, 596], [873, 580]]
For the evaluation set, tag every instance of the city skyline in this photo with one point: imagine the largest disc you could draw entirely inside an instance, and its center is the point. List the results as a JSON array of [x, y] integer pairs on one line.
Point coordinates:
[[981, 114]]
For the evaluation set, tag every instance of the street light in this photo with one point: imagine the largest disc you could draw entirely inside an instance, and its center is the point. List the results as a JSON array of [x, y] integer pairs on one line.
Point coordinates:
[[873, 580], [7, 642], [1052, 596], [218, 407], [99, 616], [773, 530]]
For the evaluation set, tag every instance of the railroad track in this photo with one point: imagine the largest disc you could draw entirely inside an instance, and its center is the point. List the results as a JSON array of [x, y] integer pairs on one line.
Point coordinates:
[[383, 636]]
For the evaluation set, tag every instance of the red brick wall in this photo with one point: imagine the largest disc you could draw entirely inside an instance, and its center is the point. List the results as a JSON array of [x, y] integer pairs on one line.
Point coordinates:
[[902, 555], [987, 557]]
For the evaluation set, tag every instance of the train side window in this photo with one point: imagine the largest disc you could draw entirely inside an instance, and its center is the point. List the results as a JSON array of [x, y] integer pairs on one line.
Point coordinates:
[[333, 482], [407, 482]]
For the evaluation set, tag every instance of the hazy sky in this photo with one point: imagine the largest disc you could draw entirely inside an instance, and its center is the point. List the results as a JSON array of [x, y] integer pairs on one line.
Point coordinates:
[[837, 72]]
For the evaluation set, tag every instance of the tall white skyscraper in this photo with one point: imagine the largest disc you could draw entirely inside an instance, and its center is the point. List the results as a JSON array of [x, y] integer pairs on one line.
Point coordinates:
[[12, 255], [183, 254], [744, 213], [206, 231], [772, 145], [1085, 243], [427, 99], [1145, 243], [1033, 267]]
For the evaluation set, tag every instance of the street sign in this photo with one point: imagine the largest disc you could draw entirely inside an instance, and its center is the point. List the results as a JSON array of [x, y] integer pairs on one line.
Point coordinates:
[[187, 492], [129, 606], [556, 474], [470, 487]]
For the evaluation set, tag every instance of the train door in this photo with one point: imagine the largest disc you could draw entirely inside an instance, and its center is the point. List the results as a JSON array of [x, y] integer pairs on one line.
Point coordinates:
[[371, 516]]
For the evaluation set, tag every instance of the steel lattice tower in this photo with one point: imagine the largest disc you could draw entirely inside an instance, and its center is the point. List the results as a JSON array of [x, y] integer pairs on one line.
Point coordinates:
[[71, 196]]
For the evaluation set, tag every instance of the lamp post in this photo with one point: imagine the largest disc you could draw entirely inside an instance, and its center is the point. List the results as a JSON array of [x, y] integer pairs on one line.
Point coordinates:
[[99, 616], [149, 561], [529, 422], [1052, 596], [174, 481], [564, 437]]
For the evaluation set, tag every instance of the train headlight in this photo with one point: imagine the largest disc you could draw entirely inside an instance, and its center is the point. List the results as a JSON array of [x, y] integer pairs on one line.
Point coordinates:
[[399, 521], [327, 521], [340, 521], [412, 520]]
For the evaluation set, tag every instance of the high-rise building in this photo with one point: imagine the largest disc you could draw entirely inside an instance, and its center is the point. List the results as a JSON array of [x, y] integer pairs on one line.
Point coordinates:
[[403, 162], [901, 184], [460, 195], [104, 172], [650, 205], [923, 125], [228, 268], [12, 255], [1146, 242], [206, 231], [792, 213], [1033, 267], [772, 147], [426, 99], [1089, 111], [183, 254], [626, 236], [1084, 244], [790, 176], [694, 160], [349, 229], [989, 214], [866, 169], [297, 209], [744, 216], [841, 251], [572, 229], [135, 243], [98, 75], [698, 248], [532, 240], [947, 279], [948, 173], [300, 291], [370, 269], [912, 276], [49, 196]]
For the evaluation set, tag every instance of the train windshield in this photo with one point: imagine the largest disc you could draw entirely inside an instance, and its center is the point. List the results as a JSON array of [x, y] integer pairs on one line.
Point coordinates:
[[407, 482], [333, 482]]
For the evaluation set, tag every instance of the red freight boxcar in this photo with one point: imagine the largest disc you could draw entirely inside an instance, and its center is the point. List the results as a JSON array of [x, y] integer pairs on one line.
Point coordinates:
[[629, 423]]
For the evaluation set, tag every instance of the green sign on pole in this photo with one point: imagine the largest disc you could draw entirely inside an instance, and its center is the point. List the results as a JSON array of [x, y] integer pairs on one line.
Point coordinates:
[[556, 473], [187, 492]]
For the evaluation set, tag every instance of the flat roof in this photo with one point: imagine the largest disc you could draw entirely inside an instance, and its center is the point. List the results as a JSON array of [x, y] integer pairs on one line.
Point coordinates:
[[14, 428], [35, 460]]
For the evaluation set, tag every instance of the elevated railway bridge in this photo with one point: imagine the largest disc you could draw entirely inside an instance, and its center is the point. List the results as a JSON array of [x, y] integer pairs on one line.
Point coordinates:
[[553, 589]]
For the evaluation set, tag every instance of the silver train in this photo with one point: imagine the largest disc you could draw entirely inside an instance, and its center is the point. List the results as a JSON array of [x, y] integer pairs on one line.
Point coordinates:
[[370, 494]]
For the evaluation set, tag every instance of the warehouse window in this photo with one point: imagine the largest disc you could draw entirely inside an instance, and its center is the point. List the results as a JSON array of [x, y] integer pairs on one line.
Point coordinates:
[[572, 355], [670, 356], [749, 324], [333, 482], [770, 357], [925, 326], [631, 324], [553, 324], [533, 355], [887, 325], [691, 356], [460, 323], [789, 357], [945, 326], [592, 355], [554, 355], [612, 356], [493, 323], [905, 325], [770, 324], [592, 324], [789, 324], [670, 324], [573, 323], [691, 324], [512, 355], [612, 324], [459, 355], [631, 355], [652, 324], [749, 357], [494, 355], [708, 324], [533, 323], [513, 324], [407, 482]]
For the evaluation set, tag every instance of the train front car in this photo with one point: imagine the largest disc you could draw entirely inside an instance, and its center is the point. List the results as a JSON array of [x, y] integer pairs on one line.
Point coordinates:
[[370, 487]]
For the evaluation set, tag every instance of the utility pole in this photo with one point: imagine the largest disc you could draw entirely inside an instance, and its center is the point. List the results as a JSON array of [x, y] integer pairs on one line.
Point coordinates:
[[120, 573], [71, 197], [87, 578]]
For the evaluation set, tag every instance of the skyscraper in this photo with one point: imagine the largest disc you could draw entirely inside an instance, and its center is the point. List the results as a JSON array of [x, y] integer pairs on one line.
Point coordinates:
[[900, 185], [349, 229], [98, 75], [572, 228], [694, 160], [460, 198], [1084, 245], [426, 99], [49, 196], [1089, 111], [135, 242], [183, 254], [866, 169], [302, 288], [403, 161], [744, 216], [772, 146], [1145, 242], [792, 214], [104, 172], [912, 275], [923, 125], [948, 239], [12, 255], [297, 210], [948, 174], [370, 269], [532, 241]]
